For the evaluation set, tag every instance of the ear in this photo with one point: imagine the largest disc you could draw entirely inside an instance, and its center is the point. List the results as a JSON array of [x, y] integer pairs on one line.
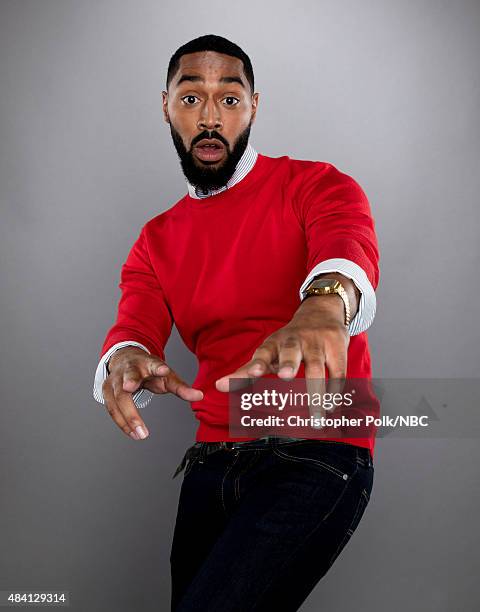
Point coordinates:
[[254, 106], [165, 106]]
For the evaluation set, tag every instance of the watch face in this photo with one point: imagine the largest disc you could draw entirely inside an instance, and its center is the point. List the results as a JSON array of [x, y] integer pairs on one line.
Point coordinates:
[[323, 282]]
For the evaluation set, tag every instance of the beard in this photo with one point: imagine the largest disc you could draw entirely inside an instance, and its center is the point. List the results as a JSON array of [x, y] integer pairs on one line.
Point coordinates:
[[206, 176]]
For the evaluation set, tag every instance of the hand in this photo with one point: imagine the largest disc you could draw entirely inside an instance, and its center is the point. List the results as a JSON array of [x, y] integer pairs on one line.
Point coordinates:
[[316, 335], [131, 368]]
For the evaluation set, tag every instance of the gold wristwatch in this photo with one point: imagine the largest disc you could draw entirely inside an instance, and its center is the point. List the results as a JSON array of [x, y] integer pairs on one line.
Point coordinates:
[[326, 286]]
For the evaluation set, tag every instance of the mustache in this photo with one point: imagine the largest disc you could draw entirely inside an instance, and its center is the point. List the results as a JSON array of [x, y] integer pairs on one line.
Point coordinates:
[[209, 134]]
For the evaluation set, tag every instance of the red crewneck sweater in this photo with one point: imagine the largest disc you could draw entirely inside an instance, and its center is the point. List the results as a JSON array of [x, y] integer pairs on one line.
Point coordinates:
[[227, 271]]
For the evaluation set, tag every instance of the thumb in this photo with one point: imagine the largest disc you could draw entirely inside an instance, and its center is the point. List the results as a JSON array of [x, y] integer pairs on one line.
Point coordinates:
[[176, 385]]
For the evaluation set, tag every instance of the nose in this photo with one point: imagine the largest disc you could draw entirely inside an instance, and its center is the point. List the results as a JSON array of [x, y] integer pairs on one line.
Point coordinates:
[[210, 117]]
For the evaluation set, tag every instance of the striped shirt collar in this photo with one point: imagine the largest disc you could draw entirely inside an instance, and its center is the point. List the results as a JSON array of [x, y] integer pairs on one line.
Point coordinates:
[[245, 164]]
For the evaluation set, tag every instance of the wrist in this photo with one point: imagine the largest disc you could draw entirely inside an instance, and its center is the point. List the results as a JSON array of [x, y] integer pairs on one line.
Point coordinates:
[[352, 291], [323, 287], [330, 305]]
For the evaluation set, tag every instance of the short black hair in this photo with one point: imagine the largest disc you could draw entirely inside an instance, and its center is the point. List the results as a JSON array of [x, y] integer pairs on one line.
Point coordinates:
[[211, 42]]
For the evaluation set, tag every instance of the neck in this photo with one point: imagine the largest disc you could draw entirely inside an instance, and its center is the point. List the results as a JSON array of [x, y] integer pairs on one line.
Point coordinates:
[[243, 167]]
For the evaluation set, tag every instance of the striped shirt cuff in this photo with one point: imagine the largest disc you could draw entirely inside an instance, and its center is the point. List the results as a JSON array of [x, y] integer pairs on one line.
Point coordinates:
[[140, 398], [368, 301]]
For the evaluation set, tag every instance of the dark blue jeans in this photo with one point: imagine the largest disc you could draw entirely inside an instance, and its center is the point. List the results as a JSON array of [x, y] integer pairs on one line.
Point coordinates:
[[260, 522]]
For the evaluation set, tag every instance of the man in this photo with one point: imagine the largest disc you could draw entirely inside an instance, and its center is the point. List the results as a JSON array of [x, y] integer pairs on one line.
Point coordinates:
[[235, 264]]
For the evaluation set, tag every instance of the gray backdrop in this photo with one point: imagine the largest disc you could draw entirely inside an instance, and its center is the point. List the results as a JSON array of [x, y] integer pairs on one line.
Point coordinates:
[[387, 91]]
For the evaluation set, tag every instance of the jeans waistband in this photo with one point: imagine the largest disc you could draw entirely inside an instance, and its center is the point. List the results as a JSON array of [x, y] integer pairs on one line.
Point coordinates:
[[201, 449]]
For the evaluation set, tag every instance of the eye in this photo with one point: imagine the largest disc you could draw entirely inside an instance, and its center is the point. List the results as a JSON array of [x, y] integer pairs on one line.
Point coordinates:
[[232, 98], [188, 97]]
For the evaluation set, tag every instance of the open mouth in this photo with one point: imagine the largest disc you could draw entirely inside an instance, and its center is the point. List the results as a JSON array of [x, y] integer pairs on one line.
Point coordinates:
[[209, 150]]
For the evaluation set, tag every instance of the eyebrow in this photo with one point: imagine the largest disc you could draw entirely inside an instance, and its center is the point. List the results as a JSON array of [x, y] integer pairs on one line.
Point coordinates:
[[195, 78]]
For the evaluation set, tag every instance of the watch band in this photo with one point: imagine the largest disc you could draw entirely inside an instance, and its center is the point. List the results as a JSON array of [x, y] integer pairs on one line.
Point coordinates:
[[327, 286]]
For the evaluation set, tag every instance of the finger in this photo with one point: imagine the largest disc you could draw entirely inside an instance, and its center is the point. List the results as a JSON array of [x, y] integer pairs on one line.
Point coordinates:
[[156, 378], [158, 367], [238, 379], [262, 359], [314, 359], [132, 378], [128, 408], [336, 360], [176, 385], [114, 411], [234, 381], [335, 385], [137, 371], [260, 363], [289, 357], [156, 384]]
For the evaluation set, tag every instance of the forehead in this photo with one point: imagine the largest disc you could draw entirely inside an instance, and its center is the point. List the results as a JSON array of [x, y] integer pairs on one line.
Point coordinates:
[[210, 65]]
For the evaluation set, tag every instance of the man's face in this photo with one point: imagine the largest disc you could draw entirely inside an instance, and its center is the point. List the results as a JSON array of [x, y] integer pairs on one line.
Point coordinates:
[[209, 99]]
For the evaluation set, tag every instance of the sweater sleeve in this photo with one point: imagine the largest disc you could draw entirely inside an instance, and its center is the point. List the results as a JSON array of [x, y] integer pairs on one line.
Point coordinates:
[[335, 214], [143, 315]]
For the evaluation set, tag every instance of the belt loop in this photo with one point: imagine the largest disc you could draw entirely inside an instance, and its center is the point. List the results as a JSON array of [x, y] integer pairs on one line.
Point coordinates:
[[364, 456], [368, 457]]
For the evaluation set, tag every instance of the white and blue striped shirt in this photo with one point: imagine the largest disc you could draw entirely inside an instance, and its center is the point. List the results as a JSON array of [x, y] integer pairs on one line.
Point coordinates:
[[245, 164], [360, 322]]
